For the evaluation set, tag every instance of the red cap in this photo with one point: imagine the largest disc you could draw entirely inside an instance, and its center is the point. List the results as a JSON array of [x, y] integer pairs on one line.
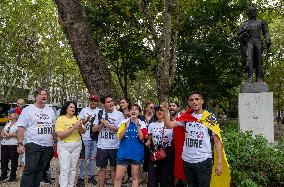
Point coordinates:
[[15, 110], [94, 97]]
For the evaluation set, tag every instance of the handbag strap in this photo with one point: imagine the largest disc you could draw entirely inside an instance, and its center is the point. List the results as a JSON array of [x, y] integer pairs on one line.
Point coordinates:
[[78, 130], [163, 135]]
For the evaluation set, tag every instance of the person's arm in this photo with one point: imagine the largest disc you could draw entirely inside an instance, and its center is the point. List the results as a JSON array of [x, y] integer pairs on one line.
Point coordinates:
[[168, 123], [10, 135], [111, 127], [20, 137], [218, 145], [149, 138], [87, 120], [99, 126], [140, 134], [82, 128], [2, 133], [122, 133]]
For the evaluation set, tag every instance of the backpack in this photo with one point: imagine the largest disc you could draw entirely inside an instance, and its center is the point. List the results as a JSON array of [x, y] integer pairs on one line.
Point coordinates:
[[95, 135]]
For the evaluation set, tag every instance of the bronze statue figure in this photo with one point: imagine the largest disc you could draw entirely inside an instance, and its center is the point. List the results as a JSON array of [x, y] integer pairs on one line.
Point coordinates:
[[251, 44]]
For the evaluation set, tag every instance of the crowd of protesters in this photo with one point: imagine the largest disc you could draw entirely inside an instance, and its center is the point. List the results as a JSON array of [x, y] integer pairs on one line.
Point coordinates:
[[158, 145]]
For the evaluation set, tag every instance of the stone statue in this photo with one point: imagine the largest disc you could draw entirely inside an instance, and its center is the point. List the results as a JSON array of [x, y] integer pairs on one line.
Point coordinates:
[[251, 44]]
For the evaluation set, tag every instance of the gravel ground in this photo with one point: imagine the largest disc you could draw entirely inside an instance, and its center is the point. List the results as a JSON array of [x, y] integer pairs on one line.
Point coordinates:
[[55, 174]]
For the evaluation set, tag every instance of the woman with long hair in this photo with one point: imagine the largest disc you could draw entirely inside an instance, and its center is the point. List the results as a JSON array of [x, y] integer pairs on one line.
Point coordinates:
[[68, 128], [124, 107], [131, 149], [160, 171]]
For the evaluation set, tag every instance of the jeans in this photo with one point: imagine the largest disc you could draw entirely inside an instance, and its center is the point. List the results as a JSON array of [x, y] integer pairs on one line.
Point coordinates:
[[36, 159], [90, 154], [68, 156], [198, 174]]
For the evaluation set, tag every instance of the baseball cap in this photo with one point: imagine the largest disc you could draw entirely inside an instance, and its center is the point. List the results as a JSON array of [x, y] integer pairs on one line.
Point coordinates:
[[94, 97], [14, 110]]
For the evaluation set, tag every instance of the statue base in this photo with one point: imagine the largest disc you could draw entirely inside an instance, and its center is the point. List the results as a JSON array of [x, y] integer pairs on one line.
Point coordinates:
[[254, 87], [256, 114]]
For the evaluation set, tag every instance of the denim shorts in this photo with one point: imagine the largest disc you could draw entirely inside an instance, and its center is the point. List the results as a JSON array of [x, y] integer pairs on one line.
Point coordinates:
[[126, 162]]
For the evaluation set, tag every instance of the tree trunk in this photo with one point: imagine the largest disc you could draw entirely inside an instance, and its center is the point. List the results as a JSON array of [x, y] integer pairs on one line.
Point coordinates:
[[92, 64], [165, 47]]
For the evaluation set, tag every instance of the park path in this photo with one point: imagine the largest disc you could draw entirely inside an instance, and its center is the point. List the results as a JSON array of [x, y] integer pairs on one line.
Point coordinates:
[[55, 174]]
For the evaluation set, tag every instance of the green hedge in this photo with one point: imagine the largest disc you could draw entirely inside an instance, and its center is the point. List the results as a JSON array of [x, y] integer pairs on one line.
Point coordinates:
[[253, 161]]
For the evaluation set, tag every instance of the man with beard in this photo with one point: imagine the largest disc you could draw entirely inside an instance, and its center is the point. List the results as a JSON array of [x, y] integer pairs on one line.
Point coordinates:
[[201, 132], [36, 123], [178, 145]]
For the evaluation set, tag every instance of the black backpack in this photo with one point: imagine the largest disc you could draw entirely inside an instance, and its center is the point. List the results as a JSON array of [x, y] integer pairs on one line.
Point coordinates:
[[95, 135]]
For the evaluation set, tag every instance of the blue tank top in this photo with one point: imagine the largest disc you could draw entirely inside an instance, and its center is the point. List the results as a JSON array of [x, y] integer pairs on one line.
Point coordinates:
[[130, 146]]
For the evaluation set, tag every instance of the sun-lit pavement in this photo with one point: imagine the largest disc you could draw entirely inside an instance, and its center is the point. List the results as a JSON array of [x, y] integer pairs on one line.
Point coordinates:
[[55, 174]]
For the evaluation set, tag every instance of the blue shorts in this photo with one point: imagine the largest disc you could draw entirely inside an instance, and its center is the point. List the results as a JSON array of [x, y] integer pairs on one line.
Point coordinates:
[[126, 162]]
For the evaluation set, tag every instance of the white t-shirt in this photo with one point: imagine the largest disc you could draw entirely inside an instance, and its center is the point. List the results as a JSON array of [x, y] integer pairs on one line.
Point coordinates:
[[107, 138], [85, 112], [12, 129], [156, 129], [197, 145], [38, 123]]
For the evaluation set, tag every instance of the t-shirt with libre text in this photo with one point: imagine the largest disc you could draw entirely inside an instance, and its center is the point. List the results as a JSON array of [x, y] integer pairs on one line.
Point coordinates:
[[156, 129], [197, 145], [107, 138], [38, 123]]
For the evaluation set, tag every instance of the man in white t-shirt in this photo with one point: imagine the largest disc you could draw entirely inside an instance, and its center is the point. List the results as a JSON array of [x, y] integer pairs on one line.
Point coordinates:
[[36, 123], [197, 150], [90, 144], [107, 139]]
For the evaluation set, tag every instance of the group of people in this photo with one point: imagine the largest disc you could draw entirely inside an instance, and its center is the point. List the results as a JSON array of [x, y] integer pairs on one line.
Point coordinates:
[[173, 149]]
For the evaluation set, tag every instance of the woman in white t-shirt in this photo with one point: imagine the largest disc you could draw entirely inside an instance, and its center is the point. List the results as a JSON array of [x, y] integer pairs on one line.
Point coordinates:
[[160, 137], [9, 146]]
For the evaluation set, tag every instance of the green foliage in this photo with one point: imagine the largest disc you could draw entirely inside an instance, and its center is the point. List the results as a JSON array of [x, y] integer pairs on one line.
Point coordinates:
[[209, 52], [116, 27], [253, 161], [34, 52]]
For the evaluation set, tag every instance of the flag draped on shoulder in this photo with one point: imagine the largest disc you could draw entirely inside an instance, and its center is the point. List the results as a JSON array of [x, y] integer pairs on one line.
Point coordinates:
[[210, 121], [122, 126]]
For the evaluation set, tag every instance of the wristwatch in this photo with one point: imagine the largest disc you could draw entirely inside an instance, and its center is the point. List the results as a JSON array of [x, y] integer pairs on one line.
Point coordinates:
[[20, 144]]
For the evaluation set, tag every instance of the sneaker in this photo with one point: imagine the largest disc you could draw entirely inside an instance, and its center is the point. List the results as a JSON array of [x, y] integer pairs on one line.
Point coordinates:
[[2, 178], [80, 183], [92, 180]]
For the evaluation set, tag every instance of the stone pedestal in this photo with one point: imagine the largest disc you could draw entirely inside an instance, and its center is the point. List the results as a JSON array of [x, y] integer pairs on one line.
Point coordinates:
[[256, 114]]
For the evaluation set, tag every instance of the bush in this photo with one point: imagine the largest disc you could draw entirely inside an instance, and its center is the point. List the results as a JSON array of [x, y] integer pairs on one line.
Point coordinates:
[[253, 161]]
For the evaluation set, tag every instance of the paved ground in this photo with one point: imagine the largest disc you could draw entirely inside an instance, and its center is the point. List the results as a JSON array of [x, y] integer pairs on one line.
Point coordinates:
[[55, 174]]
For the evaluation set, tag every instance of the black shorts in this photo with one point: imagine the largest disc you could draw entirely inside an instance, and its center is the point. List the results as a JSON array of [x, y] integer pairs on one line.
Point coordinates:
[[105, 155]]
